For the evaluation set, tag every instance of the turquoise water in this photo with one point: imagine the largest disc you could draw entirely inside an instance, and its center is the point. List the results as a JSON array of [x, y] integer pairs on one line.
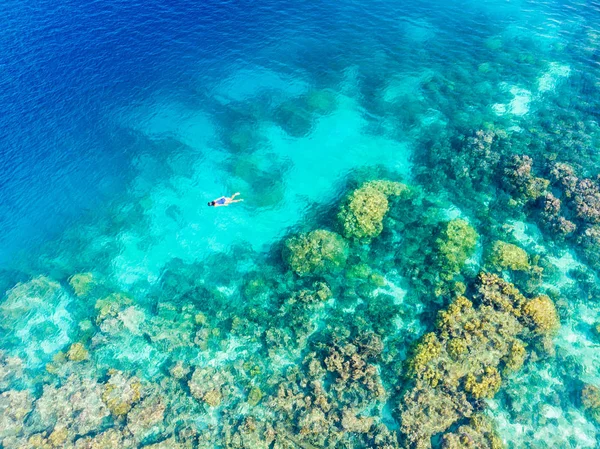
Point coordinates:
[[137, 316]]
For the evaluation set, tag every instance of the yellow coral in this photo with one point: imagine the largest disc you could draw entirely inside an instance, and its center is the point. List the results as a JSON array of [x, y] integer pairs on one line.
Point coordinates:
[[450, 321], [362, 213], [426, 350], [388, 188], [77, 353], [486, 386], [457, 348], [455, 245], [58, 436], [506, 255], [213, 397], [38, 441], [500, 294], [542, 315], [516, 356], [317, 252]]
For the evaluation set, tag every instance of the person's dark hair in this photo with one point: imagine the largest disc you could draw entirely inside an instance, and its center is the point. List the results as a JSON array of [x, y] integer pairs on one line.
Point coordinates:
[[211, 203]]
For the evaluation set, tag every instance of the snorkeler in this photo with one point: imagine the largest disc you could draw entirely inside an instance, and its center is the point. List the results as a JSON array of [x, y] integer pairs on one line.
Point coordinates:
[[224, 201]]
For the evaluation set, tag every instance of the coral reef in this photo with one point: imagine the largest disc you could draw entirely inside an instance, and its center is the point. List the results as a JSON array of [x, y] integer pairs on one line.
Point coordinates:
[[14, 407], [209, 341], [590, 400], [109, 439], [11, 369], [506, 255], [76, 405], [211, 386], [121, 392], [478, 433], [314, 253], [520, 181], [455, 245], [362, 212], [146, 417], [26, 297], [589, 240], [82, 283], [549, 208], [462, 362]]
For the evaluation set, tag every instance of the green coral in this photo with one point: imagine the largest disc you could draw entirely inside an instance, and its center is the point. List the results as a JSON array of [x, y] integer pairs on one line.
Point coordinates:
[[317, 252], [455, 245], [254, 396], [506, 255], [359, 271], [362, 212], [82, 283], [364, 272], [77, 353]]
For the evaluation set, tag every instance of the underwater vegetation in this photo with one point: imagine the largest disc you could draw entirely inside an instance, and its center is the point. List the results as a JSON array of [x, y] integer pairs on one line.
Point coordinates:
[[309, 374]]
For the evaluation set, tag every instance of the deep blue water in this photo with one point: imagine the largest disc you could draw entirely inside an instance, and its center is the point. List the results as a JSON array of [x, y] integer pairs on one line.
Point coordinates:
[[65, 68]]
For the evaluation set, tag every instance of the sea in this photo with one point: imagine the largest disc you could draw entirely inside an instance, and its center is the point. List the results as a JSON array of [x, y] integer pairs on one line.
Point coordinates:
[[134, 314]]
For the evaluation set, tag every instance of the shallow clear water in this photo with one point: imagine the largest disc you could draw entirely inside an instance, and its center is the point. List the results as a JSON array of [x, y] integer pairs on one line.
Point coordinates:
[[122, 120]]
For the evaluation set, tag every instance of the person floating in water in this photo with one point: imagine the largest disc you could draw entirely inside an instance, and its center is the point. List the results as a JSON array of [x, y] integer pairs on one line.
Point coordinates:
[[224, 201]]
